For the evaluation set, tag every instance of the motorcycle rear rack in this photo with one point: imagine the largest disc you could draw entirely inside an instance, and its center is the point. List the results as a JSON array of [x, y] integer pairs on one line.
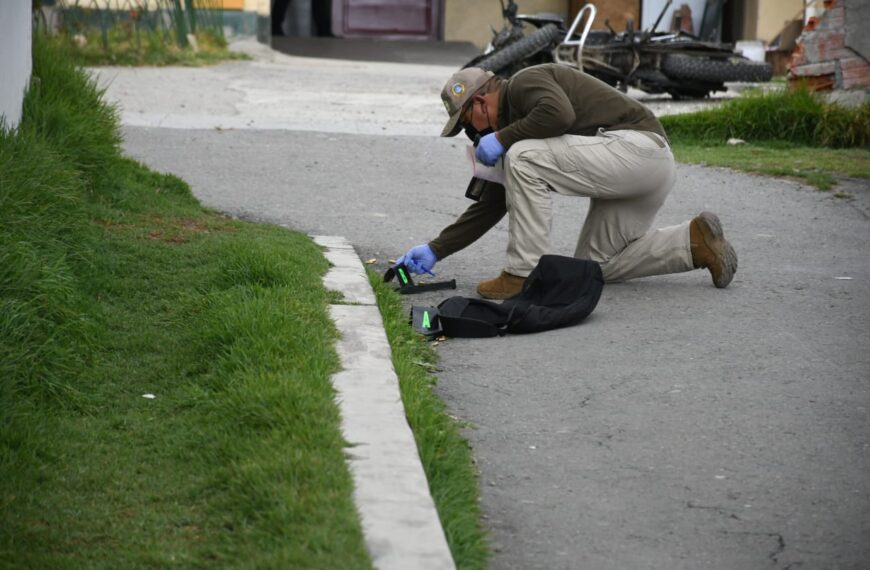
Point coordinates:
[[571, 51]]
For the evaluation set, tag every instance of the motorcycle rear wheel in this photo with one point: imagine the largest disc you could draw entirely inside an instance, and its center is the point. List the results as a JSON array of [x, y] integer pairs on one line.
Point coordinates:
[[516, 52], [701, 68]]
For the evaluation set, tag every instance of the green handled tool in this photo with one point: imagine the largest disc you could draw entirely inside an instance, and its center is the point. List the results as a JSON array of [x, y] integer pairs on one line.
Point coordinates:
[[406, 284]]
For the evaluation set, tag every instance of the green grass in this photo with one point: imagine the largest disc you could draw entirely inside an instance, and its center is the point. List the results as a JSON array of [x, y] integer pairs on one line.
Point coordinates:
[[125, 48], [786, 133], [139, 32], [114, 283], [819, 167], [796, 117], [445, 454]]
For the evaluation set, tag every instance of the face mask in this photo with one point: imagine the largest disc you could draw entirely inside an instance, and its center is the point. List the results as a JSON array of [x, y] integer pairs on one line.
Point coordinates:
[[476, 135]]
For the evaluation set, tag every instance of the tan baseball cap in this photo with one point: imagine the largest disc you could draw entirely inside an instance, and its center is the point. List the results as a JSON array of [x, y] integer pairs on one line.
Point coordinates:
[[461, 86]]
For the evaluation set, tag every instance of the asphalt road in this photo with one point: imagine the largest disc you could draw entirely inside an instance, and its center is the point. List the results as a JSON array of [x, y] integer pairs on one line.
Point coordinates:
[[680, 426]]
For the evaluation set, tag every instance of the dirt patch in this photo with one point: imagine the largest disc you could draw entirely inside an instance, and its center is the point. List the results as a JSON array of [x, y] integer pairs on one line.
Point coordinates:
[[158, 235], [196, 226]]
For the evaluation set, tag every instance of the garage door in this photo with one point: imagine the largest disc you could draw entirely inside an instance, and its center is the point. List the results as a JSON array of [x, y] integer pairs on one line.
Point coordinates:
[[389, 19]]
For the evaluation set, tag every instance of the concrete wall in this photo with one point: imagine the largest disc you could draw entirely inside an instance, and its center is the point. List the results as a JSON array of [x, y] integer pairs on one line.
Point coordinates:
[[762, 19], [618, 12], [469, 20], [652, 9], [15, 61], [773, 15]]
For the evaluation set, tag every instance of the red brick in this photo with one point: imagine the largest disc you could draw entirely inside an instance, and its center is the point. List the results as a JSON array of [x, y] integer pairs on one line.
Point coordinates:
[[823, 36], [853, 62], [827, 46], [815, 83], [860, 83], [826, 68], [856, 75], [798, 57], [834, 19]]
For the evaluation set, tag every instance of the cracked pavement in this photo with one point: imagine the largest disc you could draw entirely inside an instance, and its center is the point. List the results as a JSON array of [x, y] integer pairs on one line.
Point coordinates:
[[680, 426]]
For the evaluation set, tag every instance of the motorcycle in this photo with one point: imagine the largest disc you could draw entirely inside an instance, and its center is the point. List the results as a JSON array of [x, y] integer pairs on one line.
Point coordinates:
[[677, 63]]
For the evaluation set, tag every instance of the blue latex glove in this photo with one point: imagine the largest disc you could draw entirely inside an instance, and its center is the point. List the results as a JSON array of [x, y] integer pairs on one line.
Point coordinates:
[[419, 259], [489, 149]]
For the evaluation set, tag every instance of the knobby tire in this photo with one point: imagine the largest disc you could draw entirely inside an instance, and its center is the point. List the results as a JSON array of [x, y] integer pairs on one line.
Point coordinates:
[[520, 50], [736, 68]]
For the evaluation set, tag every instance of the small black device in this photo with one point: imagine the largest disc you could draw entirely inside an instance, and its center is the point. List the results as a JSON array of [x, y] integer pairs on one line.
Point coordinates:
[[476, 186], [475, 189], [406, 284]]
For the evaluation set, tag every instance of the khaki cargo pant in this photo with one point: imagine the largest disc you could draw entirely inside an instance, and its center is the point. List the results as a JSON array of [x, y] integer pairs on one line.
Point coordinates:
[[627, 175]]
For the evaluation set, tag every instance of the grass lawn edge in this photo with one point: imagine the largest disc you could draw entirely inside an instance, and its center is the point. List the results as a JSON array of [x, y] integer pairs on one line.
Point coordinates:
[[445, 454]]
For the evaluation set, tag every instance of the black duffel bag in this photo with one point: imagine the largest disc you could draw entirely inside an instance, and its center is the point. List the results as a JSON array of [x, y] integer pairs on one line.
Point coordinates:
[[559, 292]]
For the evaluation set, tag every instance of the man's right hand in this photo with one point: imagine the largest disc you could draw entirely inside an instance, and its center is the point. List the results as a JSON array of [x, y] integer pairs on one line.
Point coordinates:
[[419, 259]]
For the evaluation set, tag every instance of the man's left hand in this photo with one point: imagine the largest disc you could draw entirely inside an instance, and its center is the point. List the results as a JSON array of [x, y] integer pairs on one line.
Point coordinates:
[[489, 149]]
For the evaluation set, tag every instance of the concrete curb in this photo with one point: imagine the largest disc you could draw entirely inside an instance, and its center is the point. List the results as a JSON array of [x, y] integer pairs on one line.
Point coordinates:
[[399, 520]]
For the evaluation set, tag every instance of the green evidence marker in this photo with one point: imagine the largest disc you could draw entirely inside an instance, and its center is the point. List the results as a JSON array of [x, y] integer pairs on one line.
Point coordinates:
[[403, 277], [426, 323]]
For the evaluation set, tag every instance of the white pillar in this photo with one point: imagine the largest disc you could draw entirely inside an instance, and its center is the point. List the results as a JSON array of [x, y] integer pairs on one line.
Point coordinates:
[[16, 61]]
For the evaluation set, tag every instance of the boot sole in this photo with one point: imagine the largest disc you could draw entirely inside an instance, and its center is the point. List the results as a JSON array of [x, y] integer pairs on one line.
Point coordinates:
[[715, 239]]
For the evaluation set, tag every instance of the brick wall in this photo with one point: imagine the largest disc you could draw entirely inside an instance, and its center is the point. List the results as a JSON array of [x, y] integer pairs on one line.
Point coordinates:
[[822, 59]]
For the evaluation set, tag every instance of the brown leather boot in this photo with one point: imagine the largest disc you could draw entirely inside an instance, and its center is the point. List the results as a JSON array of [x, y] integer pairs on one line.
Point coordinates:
[[502, 287], [711, 250]]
